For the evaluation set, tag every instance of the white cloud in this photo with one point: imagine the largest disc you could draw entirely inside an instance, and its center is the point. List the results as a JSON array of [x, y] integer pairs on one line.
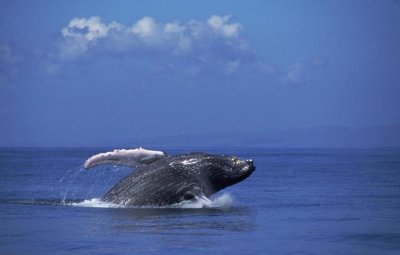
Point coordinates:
[[209, 48], [92, 28], [221, 25], [295, 73], [173, 27], [215, 40], [81, 33], [144, 27]]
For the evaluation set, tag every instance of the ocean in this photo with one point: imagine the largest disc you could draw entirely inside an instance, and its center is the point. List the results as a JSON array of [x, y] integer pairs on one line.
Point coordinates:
[[298, 201]]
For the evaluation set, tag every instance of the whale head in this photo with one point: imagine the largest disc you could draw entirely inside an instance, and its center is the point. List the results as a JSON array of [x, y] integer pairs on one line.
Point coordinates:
[[227, 171]]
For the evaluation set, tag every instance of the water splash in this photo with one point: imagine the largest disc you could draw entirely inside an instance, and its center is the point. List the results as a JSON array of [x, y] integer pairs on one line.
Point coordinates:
[[68, 180], [225, 200], [78, 183], [96, 203]]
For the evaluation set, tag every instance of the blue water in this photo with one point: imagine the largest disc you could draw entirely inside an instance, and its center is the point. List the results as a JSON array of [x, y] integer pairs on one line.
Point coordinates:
[[298, 201]]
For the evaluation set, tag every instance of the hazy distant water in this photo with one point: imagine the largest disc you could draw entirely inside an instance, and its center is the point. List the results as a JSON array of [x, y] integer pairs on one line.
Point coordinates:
[[299, 201]]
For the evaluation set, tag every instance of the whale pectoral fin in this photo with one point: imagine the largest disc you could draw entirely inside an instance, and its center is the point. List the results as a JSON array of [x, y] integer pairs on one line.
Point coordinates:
[[132, 157]]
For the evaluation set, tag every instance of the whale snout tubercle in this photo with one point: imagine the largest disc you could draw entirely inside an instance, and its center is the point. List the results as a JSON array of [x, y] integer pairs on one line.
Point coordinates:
[[250, 165], [249, 162]]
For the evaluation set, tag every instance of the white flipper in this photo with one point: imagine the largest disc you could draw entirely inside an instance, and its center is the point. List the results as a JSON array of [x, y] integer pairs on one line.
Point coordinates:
[[132, 157]]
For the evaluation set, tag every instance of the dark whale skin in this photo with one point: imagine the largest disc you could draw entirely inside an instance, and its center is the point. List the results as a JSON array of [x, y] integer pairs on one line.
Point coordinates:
[[172, 179]]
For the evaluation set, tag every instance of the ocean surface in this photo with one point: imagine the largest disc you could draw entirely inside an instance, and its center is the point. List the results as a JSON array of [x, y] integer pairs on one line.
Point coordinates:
[[298, 201]]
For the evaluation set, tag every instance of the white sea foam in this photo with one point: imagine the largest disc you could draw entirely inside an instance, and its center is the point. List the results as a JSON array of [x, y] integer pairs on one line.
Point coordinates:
[[223, 201], [97, 203]]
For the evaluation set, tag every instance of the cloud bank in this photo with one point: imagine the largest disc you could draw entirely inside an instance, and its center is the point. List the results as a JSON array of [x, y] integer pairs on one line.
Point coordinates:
[[209, 51], [216, 41]]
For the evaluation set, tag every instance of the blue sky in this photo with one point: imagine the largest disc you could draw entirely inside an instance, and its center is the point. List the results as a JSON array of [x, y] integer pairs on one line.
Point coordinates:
[[88, 73]]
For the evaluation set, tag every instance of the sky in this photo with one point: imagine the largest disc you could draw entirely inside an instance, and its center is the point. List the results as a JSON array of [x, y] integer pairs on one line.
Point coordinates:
[[105, 73]]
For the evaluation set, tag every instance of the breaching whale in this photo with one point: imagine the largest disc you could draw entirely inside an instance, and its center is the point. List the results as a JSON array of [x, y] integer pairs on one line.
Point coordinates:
[[162, 179]]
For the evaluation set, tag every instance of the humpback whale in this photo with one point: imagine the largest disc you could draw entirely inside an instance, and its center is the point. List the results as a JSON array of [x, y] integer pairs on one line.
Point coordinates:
[[161, 179]]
